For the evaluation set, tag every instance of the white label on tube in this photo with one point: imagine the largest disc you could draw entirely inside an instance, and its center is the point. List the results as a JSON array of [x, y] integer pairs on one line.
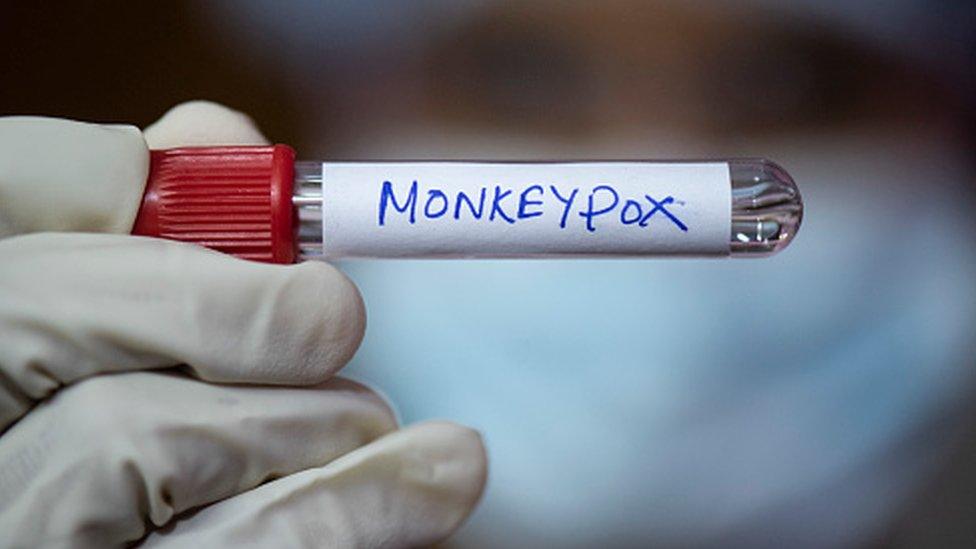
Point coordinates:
[[469, 209]]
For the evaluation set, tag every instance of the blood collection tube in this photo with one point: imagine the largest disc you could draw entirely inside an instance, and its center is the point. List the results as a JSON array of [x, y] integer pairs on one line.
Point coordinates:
[[258, 203]]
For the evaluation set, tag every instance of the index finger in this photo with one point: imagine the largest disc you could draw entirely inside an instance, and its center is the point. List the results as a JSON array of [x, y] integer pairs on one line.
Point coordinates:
[[77, 305]]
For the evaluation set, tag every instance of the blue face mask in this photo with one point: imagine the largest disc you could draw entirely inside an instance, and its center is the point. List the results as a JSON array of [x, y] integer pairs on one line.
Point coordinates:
[[663, 402]]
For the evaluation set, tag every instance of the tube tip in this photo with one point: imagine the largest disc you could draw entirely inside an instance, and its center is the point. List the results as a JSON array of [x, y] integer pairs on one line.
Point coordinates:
[[767, 208]]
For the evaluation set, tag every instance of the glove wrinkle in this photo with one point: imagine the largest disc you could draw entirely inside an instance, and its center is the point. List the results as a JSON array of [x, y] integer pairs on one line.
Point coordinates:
[[13, 402], [110, 454], [410, 488]]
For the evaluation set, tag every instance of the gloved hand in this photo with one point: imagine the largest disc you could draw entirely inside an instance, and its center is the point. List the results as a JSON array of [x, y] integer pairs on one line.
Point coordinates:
[[245, 423]]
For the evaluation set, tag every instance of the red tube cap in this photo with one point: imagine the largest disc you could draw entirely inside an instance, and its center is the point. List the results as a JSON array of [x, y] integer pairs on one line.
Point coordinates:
[[236, 200]]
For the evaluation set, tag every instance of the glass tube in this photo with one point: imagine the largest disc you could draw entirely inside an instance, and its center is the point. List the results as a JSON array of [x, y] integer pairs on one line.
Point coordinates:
[[766, 208]]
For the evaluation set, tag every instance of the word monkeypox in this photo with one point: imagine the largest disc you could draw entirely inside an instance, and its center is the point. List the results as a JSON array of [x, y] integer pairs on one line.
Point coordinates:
[[506, 205]]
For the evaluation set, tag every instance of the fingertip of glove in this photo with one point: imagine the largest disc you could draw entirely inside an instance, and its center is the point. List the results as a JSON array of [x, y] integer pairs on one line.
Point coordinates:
[[460, 448], [444, 467], [334, 317], [203, 123]]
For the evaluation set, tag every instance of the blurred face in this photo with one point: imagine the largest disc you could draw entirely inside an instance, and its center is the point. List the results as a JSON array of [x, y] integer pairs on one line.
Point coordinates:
[[686, 402], [668, 403]]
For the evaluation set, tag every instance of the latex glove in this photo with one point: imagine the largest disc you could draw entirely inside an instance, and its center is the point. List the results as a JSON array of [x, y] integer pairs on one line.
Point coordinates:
[[97, 449]]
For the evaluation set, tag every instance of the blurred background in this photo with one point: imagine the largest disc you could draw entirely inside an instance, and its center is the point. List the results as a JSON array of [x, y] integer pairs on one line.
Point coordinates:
[[820, 398]]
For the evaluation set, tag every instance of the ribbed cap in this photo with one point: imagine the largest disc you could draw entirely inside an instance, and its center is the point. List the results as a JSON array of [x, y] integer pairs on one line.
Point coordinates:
[[236, 200]]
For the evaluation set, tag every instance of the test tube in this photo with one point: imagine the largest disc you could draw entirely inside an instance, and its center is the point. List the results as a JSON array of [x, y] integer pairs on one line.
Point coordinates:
[[258, 203]]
